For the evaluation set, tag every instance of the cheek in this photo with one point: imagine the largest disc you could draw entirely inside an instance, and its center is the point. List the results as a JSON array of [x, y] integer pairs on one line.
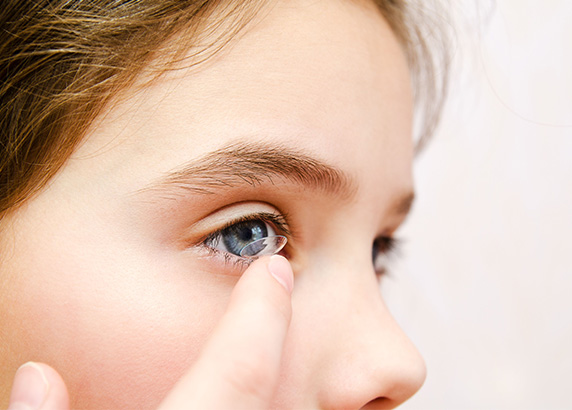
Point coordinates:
[[120, 325]]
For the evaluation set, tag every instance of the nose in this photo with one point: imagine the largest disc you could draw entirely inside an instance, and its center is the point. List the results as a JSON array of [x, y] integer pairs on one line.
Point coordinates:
[[361, 357]]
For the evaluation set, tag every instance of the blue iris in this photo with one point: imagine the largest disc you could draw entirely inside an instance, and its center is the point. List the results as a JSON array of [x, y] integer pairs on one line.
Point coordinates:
[[237, 236]]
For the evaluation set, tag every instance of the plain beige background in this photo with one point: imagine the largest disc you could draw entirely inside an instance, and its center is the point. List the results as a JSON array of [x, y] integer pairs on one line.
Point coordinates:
[[484, 287]]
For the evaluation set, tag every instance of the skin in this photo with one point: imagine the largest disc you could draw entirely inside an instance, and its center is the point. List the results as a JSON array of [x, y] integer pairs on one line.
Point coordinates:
[[104, 276]]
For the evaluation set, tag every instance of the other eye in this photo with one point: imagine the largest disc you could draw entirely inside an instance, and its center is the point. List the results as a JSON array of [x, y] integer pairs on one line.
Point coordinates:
[[250, 237], [383, 248]]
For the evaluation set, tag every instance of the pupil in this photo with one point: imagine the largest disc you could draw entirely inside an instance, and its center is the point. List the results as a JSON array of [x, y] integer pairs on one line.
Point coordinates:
[[239, 235]]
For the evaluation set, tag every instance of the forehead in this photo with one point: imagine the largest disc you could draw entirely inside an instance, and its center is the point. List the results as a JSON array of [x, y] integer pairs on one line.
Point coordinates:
[[326, 77]]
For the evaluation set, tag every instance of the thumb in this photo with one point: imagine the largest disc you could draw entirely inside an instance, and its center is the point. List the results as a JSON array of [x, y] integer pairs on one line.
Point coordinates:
[[239, 365], [38, 387]]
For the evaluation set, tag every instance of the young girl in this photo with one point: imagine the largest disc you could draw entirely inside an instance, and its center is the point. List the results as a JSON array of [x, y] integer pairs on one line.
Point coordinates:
[[155, 155]]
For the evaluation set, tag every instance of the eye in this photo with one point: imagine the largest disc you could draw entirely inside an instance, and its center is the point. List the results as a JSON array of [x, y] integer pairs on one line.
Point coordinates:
[[249, 237], [383, 248]]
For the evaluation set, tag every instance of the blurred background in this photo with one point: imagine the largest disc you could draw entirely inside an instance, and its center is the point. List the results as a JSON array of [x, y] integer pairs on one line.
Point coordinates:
[[484, 285]]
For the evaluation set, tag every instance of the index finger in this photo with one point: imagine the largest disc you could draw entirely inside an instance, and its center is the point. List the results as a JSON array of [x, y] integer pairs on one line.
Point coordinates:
[[239, 366]]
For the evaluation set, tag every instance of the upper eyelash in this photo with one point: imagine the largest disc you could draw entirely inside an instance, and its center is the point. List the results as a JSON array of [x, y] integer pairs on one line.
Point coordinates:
[[393, 244]]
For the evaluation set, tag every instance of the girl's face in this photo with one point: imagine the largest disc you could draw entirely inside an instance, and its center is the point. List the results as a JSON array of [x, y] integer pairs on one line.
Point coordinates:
[[301, 125]]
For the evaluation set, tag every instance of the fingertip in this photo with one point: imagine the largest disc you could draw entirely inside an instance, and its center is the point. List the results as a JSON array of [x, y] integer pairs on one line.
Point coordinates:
[[30, 387], [38, 386], [280, 269]]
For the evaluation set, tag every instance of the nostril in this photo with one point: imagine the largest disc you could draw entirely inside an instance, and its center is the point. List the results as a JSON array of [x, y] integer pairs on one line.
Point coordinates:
[[381, 403]]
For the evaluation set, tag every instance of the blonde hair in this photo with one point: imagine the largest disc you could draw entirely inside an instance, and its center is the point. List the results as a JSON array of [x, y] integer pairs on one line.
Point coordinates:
[[62, 61]]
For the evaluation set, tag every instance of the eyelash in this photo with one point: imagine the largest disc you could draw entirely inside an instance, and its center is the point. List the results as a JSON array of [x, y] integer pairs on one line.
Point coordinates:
[[388, 247], [278, 222]]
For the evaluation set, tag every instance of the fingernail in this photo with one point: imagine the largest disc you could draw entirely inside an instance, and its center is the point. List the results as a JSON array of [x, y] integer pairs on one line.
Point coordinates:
[[30, 387], [280, 268]]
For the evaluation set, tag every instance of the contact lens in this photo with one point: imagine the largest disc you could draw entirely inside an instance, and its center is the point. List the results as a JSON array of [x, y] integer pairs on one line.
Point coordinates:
[[268, 245]]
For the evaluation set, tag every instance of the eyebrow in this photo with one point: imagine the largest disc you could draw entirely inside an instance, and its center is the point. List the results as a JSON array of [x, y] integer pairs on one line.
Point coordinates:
[[403, 205], [253, 164]]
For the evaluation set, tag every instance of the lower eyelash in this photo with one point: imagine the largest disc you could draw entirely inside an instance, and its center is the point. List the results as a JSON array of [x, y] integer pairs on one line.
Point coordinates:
[[229, 259]]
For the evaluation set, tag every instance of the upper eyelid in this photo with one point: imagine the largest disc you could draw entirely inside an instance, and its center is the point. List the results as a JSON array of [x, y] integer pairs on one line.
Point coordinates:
[[228, 214]]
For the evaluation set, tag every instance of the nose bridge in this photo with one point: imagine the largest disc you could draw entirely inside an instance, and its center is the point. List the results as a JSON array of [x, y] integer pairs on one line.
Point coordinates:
[[370, 359]]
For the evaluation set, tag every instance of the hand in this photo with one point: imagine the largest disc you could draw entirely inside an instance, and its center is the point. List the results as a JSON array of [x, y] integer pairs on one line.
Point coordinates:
[[238, 367]]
